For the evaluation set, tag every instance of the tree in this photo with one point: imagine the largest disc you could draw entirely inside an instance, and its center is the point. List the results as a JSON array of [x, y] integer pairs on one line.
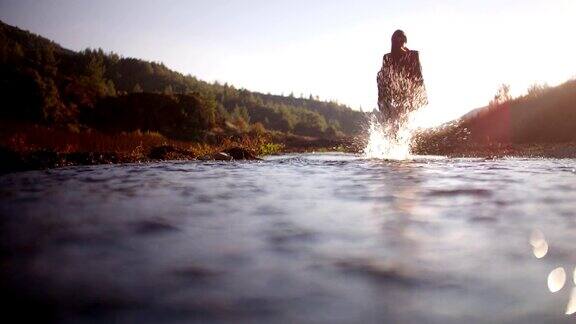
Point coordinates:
[[43, 82], [241, 113], [537, 90], [93, 74], [53, 109], [310, 123], [502, 95]]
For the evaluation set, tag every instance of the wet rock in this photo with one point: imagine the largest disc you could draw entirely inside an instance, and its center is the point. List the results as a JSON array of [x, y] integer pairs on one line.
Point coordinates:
[[13, 161], [10, 161], [218, 156], [239, 153], [42, 159], [169, 152], [88, 158]]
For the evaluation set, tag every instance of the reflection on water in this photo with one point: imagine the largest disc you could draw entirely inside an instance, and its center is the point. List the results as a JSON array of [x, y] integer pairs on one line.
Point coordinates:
[[323, 238]]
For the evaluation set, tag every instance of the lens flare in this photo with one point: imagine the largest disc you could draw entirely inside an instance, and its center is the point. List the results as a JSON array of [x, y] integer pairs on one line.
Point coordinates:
[[571, 307], [541, 250], [556, 279], [539, 244], [537, 237]]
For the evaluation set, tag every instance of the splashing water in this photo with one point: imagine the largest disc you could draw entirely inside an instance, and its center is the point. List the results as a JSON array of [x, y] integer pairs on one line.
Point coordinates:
[[387, 142], [401, 92], [392, 142]]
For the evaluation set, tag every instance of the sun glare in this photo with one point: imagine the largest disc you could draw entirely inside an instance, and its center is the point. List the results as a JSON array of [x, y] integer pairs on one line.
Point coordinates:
[[465, 57]]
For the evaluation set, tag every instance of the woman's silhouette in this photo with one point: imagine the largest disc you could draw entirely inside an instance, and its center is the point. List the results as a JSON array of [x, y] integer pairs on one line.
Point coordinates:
[[400, 83]]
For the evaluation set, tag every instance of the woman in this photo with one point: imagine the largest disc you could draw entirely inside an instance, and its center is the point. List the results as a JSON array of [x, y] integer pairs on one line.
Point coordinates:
[[400, 83]]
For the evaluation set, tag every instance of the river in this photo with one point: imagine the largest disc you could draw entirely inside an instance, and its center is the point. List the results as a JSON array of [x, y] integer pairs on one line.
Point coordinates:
[[305, 238]]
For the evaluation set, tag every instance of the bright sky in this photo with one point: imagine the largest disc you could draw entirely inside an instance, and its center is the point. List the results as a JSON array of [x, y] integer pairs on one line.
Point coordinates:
[[330, 48]]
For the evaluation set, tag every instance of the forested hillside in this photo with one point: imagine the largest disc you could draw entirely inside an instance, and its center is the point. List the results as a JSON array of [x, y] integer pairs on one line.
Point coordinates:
[[544, 116], [43, 83]]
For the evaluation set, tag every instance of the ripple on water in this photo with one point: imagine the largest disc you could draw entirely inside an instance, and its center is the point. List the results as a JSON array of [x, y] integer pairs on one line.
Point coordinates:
[[154, 227], [388, 273], [281, 237], [298, 238], [460, 192]]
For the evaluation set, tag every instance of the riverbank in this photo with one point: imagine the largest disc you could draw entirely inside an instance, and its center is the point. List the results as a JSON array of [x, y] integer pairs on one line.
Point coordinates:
[[32, 147], [499, 150], [13, 161]]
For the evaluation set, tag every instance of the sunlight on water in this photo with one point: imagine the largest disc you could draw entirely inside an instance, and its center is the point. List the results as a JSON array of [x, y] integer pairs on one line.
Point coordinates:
[[387, 142]]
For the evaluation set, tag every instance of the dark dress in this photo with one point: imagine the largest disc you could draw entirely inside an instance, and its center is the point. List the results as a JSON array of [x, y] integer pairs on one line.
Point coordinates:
[[400, 85]]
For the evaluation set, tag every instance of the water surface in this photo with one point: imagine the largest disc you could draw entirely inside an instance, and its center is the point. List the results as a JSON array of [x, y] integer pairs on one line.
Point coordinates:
[[322, 238]]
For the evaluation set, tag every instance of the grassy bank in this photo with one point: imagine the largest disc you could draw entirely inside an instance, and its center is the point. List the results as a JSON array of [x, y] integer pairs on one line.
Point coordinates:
[[26, 146], [540, 123], [499, 150]]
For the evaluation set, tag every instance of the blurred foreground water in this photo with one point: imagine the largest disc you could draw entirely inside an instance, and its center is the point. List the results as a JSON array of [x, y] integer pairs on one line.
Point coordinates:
[[323, 238]]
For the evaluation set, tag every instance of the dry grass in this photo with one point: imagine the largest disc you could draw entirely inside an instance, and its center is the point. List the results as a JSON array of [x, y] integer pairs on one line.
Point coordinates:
[[25, 138], [29, 147], [541, 123]]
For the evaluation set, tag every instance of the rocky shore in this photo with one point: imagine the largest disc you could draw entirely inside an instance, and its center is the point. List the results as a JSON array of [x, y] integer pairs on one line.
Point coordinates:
[[498, 150], [13, 161]]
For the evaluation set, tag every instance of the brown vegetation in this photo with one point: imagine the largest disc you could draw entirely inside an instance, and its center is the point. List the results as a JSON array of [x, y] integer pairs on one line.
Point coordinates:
[[540, 123], [62, 107]]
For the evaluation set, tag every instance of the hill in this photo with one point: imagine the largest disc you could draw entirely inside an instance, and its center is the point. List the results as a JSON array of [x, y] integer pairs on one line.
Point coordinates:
[[46, 84], [543, 119]]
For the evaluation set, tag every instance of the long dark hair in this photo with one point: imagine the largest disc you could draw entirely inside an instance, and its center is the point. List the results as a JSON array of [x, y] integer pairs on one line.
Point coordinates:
[[398, 41]]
